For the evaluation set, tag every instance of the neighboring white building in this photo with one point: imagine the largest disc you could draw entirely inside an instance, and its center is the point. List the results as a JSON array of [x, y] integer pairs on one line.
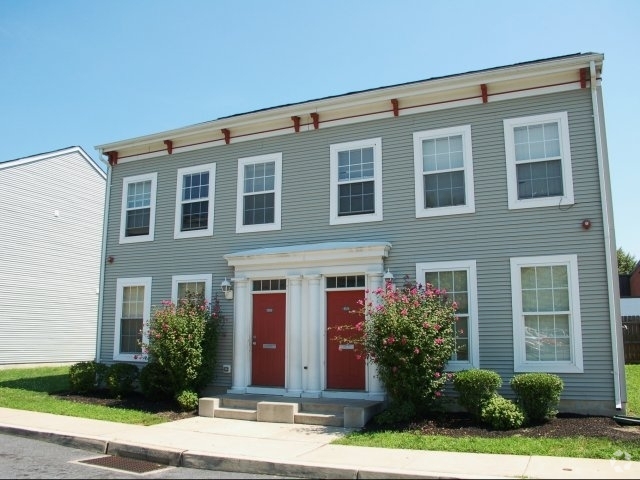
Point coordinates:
[[51, 215]]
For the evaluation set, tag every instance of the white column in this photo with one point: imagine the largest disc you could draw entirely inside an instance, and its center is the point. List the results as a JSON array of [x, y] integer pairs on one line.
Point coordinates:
[[313, 339], [241, 367], [294, 341], [374, 385]]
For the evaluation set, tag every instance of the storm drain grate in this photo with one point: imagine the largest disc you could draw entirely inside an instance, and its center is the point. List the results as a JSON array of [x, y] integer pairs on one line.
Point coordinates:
[[123, 463]]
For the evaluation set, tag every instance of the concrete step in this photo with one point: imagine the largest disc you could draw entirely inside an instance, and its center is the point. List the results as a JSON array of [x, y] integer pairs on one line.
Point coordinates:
[[278, 409], [319, 419], [236, 414], [325, 408]]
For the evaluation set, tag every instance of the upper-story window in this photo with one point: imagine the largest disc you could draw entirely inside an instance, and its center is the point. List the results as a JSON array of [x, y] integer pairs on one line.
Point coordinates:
[[443, 166], [458, 279], [546, 314], [259, 193], [356, 182], [538, 161], [195, 189], [138, 208]]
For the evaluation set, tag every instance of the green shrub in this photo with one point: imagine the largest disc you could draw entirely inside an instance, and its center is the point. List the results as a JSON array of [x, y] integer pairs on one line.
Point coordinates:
[[502, 414], [183, 342], [153, 383], [187, 400], [476, 387], [538, 394], [86, 376], [120, 378]]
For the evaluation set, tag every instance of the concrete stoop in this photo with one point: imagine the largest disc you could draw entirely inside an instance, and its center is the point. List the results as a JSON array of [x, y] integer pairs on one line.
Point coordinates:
[[330, 412]]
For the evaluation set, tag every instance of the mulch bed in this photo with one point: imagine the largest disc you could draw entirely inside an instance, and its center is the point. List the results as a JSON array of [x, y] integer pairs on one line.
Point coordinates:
[[449, 424]]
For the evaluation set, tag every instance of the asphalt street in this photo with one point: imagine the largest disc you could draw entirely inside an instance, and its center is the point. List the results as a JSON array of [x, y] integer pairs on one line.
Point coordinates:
[[25, 458]]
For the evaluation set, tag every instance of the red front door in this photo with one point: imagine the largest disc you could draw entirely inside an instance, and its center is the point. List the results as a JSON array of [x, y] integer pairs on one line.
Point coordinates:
[[268, 350], [344, 370]]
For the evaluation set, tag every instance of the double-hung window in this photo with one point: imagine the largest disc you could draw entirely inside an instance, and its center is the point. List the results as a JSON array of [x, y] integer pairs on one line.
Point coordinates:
[[356, 182], [443, 167], [195, 189], [133, 311], [458, 279], [538, 161], [138, 208], [182, 285], [259, 193], [546, 314]]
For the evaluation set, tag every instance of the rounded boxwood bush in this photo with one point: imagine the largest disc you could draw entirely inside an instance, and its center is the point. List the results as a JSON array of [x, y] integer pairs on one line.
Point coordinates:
[[188, 400], [120, 378], [86, 376], [502, 413], [538, 394], [153, 382], [476, 387]]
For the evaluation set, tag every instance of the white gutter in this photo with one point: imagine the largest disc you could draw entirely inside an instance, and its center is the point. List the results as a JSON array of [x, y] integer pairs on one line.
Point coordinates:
[[103, 252], [605, 201]]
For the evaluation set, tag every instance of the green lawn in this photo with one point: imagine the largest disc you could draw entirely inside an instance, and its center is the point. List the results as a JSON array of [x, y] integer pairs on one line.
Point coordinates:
[[34, 389], [580, 447]]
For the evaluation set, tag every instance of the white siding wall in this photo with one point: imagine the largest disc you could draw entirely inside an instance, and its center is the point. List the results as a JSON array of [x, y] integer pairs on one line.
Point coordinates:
[[51, 214]]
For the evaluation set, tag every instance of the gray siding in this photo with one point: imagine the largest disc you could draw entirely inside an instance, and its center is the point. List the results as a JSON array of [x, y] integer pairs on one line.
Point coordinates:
[[491, 236], [50, 265]]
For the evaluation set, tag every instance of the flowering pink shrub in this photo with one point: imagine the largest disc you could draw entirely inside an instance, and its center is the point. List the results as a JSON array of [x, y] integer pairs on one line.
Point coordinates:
[[182, 343], [409, 334]]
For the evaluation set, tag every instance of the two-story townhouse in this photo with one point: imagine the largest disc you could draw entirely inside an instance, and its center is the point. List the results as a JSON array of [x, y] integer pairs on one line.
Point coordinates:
[[492, 184]]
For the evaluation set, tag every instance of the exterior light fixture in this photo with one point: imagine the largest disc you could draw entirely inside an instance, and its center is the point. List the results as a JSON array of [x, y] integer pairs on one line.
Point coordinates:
[[388, 280], [226, 288]]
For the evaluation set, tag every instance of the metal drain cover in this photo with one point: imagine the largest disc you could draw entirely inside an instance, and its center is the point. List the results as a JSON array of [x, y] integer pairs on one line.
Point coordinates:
[[123, 463]]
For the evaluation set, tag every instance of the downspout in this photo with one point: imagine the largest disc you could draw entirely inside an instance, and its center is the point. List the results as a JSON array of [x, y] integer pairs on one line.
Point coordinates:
[[107, 195], [605, 200]]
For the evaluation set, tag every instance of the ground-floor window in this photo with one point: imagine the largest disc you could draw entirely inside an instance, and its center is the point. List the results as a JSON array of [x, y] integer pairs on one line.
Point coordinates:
[[546, 314], [459, 281], [133, 310]]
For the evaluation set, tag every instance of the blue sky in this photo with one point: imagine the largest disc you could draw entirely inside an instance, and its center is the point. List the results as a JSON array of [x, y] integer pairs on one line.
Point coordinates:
[[79, 72]]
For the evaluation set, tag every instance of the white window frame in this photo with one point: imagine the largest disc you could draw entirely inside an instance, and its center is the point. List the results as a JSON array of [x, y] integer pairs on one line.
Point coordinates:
[[276, 225], [510, 124], [376, 216], [472, 284], [121, 283], [177, 229], [153, 177], [204, 277], [418, 138], [520, 364]]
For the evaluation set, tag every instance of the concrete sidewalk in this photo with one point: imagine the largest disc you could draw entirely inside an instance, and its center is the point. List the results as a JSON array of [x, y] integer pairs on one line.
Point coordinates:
[[290, 450]]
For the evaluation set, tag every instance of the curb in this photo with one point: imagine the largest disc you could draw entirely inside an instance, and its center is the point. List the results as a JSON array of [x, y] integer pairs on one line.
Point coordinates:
[[91, 444]]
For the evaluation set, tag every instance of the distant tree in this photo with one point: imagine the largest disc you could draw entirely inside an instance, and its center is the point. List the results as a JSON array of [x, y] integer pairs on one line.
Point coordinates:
[[626, 262]]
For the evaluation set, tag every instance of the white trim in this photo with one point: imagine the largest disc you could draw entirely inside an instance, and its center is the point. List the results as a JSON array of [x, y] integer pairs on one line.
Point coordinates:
[[469, 266], [549, 74], [58, 153], [120, 284], [204, 277], [177, 232], [153, 177], [418, 138], [520, 364], [609, 243], [334, 149], [561, 119], [276, 225]]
